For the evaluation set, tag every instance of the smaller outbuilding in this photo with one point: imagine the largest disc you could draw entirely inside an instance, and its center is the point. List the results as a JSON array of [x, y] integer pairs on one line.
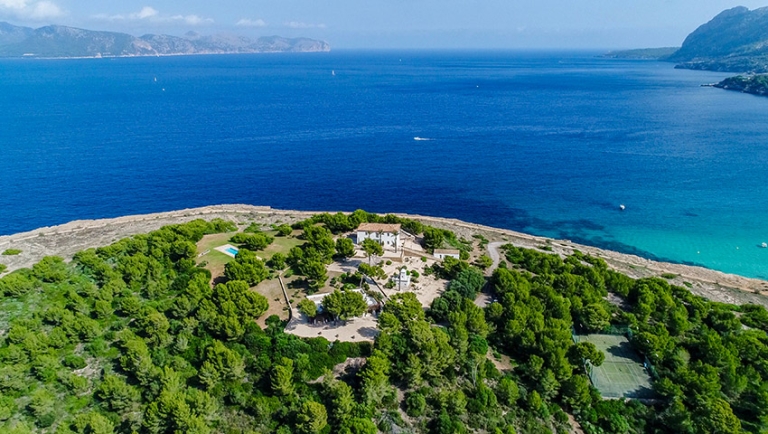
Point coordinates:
[[444, 253], [402, 279]]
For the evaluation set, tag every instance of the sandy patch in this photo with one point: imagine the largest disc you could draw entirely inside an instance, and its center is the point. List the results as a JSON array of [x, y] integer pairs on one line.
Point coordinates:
[[271, 289], [426, 288], [355, 330]]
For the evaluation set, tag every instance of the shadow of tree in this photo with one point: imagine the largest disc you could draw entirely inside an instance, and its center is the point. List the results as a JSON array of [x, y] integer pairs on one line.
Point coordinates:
[[368, 332], [624, 351]]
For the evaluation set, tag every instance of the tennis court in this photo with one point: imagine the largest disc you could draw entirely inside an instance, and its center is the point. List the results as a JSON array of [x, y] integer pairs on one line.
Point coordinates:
[[622, 374]]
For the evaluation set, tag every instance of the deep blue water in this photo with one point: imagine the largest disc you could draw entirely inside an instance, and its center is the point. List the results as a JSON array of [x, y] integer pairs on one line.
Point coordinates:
[[546, 143]]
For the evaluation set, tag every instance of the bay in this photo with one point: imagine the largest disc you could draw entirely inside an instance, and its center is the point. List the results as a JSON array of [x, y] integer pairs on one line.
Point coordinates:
[[549, 143]]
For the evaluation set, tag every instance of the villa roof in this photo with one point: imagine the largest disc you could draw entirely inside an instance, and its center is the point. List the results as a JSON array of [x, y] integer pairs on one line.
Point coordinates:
[[379, 227], [447, 251]]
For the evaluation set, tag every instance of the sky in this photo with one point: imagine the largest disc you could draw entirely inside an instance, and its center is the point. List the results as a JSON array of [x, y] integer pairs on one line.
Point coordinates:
[[461, 24]]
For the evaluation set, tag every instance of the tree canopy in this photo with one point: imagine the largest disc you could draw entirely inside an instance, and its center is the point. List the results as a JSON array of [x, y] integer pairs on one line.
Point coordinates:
[[372, 248], [133, 337], [344, 305]]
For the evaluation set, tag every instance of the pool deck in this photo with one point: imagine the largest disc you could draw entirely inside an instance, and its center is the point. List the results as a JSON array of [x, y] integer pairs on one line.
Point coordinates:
[[225, 249]]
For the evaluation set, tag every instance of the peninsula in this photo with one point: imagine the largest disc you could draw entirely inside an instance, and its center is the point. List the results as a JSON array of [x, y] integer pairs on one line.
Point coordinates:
[[69, 42], [755, 84], [733, 41], [238, 318]]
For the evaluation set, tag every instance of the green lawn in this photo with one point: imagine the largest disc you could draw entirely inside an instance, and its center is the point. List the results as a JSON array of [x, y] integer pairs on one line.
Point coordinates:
[[281, 244], [215, 259]]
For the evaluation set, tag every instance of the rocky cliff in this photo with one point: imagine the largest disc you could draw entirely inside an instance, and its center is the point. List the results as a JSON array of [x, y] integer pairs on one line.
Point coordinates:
[[735, 40]]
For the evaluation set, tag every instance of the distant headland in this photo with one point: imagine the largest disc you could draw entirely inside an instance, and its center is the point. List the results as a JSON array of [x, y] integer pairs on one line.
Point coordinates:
[[754, 84], [69, 42], [732, 41]]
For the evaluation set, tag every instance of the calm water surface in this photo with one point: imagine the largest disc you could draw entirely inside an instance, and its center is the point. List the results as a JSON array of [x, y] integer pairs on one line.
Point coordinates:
[[546, 143]]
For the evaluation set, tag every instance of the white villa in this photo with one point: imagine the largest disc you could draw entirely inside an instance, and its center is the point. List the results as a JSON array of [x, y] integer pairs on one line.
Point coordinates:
[[443, 253], [388, 235]]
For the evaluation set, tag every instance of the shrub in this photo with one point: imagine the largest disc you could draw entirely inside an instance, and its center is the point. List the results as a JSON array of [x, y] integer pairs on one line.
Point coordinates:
[[415, 403], [253, 228], [11, 252], [308, 308], [218, 225], [389, 262], [484, 261], [51, 269], [284, 230], [3, 267], [252, 241], [74, 361], [277, 261], [16, 284]]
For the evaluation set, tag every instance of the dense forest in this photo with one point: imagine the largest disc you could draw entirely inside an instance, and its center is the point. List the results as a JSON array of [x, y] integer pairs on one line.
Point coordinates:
[[134, 337]]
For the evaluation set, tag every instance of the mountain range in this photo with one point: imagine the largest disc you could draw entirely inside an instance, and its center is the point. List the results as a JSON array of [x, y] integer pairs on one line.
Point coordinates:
[[63, 41]]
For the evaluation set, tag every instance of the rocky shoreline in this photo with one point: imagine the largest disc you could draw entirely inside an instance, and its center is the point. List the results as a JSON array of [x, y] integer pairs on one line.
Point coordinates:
[[752, 84], [67, 239]]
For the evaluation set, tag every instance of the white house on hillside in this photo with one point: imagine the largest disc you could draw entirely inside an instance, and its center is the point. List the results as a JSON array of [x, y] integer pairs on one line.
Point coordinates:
[[443, 253], [388, 235]]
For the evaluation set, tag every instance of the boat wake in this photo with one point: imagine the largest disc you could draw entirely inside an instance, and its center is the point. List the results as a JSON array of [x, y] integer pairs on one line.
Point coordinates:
[[421, 139]]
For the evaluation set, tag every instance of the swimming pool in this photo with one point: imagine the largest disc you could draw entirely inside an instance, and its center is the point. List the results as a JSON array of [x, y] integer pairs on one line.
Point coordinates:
[[231, 250]]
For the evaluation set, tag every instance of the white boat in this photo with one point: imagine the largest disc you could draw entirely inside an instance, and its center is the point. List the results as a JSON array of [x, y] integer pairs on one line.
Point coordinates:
[[622, 207], [764, 245]]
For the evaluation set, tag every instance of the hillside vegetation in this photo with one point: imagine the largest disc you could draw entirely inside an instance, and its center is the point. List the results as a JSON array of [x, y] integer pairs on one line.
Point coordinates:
[[133, 337], [754, 84], [63, 41], [736, 40]]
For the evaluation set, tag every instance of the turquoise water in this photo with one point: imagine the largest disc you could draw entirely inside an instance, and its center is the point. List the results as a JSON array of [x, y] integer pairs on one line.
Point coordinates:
[[546, 143], [232, 250]]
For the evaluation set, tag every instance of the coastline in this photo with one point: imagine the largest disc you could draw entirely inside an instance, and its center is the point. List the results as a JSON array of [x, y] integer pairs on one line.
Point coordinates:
[[130, 56], [67, 239]]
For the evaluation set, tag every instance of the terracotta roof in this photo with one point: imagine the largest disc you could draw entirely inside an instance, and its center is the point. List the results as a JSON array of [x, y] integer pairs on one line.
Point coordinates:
[[379, 227], [447, 251]]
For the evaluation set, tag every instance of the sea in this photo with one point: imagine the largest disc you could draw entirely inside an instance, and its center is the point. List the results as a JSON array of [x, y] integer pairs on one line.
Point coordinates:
[[548, 143]]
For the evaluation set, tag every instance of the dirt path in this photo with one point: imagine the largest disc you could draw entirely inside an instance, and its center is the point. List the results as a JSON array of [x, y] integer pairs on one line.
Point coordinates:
[[575, 426], [493, 252]]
